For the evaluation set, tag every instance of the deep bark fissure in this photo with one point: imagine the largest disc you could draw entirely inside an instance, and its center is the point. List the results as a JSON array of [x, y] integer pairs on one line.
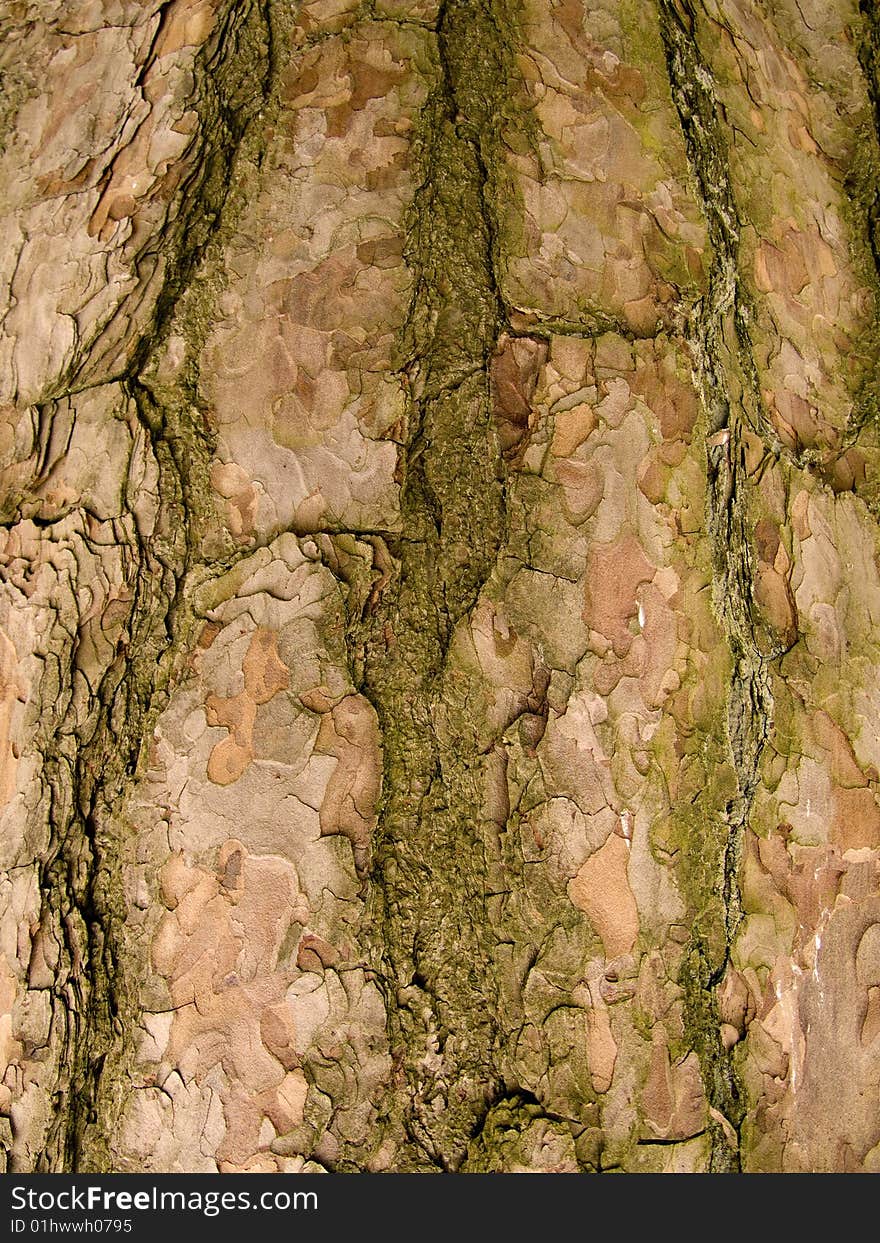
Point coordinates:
[[89, 776], [869, 59], [718, 337], [79, 881], [427, 918]]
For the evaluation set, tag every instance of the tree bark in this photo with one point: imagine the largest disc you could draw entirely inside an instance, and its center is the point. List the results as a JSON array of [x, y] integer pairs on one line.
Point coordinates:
[[439, 673]]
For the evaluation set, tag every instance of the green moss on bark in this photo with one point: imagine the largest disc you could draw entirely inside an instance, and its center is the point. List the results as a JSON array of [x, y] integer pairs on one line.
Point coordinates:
[[427, 914]]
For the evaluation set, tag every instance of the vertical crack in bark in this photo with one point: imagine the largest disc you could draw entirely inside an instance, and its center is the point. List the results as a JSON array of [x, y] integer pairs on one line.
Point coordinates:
[[87, 777], [81, 879], [427, 917], [869, 59], [719, 340]]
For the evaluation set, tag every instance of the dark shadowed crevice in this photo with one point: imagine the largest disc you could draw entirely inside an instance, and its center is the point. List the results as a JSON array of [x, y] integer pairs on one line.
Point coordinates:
[[87, 776], [427, 917], [718, 337]]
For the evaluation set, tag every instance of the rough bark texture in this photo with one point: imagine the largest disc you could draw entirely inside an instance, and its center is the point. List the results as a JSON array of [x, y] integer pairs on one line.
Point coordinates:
[[440, 652]]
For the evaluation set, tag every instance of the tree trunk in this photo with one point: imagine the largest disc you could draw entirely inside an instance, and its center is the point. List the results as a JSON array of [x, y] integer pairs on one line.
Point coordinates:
[[440, 651]]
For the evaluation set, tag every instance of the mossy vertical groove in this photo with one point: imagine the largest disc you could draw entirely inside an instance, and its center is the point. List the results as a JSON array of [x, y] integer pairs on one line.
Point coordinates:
[[87, 777], [427, 918], [864, 191], [869, 59], [718, 336]]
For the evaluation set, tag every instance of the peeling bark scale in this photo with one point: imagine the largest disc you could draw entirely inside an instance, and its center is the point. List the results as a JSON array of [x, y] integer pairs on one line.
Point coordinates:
[[440, 609]]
